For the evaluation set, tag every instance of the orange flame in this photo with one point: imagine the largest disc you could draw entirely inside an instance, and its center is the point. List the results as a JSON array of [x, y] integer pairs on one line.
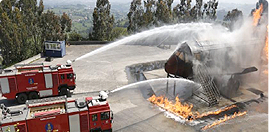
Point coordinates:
[[224, 119], [215, 112], [257, 15], [266, 43], [266, 49], [183, 110]]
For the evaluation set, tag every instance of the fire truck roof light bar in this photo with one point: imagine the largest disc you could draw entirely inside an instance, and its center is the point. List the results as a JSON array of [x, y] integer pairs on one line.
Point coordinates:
[[44, 101]]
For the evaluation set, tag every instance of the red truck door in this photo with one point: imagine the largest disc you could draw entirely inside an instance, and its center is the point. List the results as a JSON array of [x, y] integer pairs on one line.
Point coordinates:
[[105, 120], [70, 79], [62, 78], [95, 121], [67, 78], [8, 87]]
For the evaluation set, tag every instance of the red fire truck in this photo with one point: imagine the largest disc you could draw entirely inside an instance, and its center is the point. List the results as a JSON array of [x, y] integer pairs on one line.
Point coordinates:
[[33, 81], [57, 114]]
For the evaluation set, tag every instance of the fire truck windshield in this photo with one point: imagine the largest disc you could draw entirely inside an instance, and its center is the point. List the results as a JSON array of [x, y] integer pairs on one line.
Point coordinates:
[[104, 115], [70, 76]]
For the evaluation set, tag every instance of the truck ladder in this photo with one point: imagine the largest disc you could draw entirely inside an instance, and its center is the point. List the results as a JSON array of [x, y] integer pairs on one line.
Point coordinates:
[[51, 100], [31, 64]]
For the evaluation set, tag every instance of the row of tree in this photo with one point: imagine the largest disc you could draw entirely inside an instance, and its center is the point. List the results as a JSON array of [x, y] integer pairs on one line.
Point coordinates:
[[233, 19], [151, 13], [159, 12], [148, 14], [24, 27]]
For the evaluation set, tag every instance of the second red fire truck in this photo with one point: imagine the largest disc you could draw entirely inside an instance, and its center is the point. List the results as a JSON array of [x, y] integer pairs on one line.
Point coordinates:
[[33, 81], [58, 114]]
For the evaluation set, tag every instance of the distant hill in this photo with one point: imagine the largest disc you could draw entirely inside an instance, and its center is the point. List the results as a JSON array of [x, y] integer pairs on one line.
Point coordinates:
[[81, 13], [52, 3], [84, 2]]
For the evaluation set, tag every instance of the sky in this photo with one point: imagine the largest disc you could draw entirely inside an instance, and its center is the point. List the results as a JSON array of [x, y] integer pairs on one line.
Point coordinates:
[[239, 1]]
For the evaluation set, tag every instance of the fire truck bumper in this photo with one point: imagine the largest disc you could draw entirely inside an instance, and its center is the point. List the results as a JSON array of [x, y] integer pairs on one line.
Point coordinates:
[[72, 87], [99, 129], [109, 130]]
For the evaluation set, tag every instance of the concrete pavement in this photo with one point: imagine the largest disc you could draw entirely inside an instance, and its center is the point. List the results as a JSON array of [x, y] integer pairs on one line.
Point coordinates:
[[132, 111]]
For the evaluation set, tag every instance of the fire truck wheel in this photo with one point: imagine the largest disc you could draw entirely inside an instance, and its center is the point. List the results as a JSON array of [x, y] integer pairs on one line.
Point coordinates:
[[64, 91], [33, 95], [21, 98]]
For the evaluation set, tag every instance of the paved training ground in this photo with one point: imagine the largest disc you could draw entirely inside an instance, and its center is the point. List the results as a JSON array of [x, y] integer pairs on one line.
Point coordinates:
[[132, 112], [106, 70]]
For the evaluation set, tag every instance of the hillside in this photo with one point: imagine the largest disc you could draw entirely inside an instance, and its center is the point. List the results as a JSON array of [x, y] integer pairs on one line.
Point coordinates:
[[81, 14]]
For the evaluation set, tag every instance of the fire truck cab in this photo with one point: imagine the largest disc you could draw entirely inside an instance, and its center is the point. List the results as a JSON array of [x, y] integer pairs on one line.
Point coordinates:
[[33, 81], [57, 114]]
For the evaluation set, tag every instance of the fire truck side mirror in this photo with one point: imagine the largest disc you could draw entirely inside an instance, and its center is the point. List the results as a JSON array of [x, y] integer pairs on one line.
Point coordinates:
[[111, 115]]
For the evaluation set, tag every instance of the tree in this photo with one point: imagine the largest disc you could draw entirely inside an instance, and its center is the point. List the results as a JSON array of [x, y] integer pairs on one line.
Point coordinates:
[[233, 19], [118, 32], [135, 16], [9, 33], [182, 12], [74, 36], [66, 24], [51, 26], [28, 11], [159, 12], [198, 8], [24, 49], [7, 47], [210, 10], [102, 21], [24, 27], [163, 12], [38, 28], [40, 8], [169, 4], [149, 15]]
